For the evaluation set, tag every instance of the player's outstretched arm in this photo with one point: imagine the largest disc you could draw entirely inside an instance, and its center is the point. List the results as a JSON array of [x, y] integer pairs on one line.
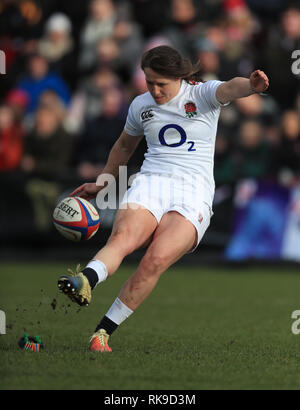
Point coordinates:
[[240, 87], [119, 155]]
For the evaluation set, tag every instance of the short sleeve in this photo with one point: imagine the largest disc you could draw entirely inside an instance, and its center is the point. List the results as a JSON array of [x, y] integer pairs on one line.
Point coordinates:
[[208, 93], [132, 125]]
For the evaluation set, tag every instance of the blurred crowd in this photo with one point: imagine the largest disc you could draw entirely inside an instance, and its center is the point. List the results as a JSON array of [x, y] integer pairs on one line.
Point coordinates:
[[72, 69]]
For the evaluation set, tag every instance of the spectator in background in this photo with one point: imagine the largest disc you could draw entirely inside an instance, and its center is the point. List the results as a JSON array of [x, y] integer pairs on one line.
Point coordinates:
[[254, 107], [240, 26], [250, 107], [57, 47], [128, 37], [20, 23], [21, 18], [257, 107], [107, 54], [289, 149], [86, 102], [11, 139], [18, 100], [225, 170], [41, 79], [184, 27], [48, 148], [217, 35], [253, 153], [99, 25], [77, 12], [276, 56], [100, 134], [51, 100], [240, 22], [208, 54]]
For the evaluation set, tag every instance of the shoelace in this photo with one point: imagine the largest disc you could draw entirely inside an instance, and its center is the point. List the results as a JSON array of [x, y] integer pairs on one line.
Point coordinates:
[[101, 339], [77, 270]]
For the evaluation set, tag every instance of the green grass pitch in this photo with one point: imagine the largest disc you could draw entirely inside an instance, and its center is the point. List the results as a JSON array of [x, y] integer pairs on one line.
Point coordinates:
[[201, 328]]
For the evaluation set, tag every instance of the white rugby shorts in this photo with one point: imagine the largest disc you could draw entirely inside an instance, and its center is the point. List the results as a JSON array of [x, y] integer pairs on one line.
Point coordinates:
[[160, 193]]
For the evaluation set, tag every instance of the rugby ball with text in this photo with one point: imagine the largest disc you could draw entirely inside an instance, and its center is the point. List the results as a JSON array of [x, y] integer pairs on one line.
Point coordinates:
[[76, 219]]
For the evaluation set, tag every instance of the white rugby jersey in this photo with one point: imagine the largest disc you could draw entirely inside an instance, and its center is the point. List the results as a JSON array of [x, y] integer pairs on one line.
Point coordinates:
[[180, 134]]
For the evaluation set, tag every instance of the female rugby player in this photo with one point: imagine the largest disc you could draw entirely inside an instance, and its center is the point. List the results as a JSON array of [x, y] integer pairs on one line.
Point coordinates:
[[169, 205]]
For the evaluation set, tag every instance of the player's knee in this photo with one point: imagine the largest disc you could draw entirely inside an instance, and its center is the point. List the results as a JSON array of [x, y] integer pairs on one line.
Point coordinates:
[[124, 240], [155, 262]]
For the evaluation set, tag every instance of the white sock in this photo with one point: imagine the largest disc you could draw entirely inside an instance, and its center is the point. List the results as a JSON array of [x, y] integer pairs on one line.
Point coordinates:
[[99, 268], [118, 312]]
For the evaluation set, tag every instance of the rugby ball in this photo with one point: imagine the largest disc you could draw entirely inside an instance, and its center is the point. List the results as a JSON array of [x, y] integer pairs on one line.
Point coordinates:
[[76, 219]]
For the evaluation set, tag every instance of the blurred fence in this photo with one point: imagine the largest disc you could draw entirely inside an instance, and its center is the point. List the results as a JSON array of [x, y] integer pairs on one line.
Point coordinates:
[[266, 222], [252, 220]]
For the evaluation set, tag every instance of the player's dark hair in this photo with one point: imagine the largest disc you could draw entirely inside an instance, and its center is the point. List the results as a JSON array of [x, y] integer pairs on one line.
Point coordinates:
[[169, 62]]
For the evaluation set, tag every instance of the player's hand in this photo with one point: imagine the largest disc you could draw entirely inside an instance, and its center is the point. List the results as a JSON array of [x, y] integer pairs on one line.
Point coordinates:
[[259, 81], [86, 191]]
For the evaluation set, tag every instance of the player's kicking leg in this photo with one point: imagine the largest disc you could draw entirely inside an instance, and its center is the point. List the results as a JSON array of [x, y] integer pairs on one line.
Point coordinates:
[[173, 238], [132, 227]]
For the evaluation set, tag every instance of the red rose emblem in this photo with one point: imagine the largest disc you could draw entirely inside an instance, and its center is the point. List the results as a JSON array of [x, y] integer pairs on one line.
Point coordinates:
[[190, 107]]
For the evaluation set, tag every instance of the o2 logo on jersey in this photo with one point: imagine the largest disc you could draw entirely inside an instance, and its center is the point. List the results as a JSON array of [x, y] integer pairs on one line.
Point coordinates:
[[183, 137]]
